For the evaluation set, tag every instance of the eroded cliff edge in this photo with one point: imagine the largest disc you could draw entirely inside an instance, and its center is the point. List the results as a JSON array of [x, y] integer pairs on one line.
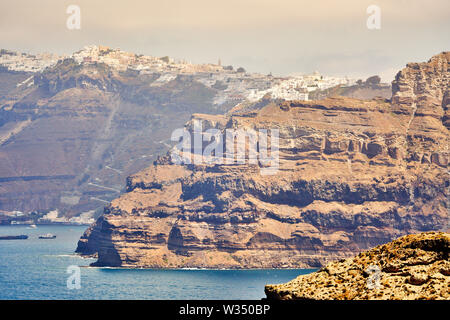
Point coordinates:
[[353, 174], [410, 268]]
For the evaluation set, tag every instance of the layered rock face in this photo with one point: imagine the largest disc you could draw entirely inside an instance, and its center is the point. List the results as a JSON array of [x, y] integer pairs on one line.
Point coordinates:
[[409, 268], [72, 129], [421, 92], [352, 174]]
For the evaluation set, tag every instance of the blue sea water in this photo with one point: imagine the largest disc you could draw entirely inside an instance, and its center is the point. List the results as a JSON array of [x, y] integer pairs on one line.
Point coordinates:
[[37, 269]]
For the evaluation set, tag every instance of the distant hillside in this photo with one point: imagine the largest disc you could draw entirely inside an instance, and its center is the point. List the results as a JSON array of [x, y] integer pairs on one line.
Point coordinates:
[[369, 89], [71, 133]]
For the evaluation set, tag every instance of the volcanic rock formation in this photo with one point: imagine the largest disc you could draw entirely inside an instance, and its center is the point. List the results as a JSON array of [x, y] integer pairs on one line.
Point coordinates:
[[73, 128], [409, 268], [352, 174]]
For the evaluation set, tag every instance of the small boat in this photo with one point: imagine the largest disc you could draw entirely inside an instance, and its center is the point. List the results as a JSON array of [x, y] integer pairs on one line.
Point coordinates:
[[20, 237], [32, 226], [47, 236]]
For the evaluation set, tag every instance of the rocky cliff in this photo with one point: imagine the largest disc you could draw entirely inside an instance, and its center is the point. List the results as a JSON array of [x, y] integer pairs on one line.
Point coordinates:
[[72, 128], [352, 174], [409, 268]]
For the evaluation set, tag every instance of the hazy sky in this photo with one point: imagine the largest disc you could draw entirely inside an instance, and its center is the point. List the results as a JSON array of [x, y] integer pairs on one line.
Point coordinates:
[[278, 36]]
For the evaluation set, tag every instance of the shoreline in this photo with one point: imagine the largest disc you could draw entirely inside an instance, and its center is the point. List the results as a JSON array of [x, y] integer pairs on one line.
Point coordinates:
[[198, 269], [44, 224]]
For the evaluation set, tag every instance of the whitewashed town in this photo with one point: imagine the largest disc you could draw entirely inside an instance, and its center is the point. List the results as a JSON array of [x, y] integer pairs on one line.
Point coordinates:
[[240, 84]]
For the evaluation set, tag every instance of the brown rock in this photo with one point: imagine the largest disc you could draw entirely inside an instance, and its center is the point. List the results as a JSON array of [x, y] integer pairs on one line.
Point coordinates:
[[418, 279], [338, 189], [413, 259]]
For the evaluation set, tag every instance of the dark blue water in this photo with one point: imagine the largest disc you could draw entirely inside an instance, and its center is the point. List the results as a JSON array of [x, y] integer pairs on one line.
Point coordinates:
[[37, 269]]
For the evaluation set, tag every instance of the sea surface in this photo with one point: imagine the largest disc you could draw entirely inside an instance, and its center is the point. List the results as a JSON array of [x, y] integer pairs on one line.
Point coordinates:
[[37, 269]]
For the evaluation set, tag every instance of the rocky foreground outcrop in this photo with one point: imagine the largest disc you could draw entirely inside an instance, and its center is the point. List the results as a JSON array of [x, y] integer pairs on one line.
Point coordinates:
[[411, 267], [353, 174]]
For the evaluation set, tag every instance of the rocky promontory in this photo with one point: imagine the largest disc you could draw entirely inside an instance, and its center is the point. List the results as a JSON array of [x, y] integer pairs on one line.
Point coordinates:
[[409, 268], [352, 174]]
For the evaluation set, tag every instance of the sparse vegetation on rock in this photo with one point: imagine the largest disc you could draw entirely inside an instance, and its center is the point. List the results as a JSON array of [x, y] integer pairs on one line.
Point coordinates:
[[413, 267]]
